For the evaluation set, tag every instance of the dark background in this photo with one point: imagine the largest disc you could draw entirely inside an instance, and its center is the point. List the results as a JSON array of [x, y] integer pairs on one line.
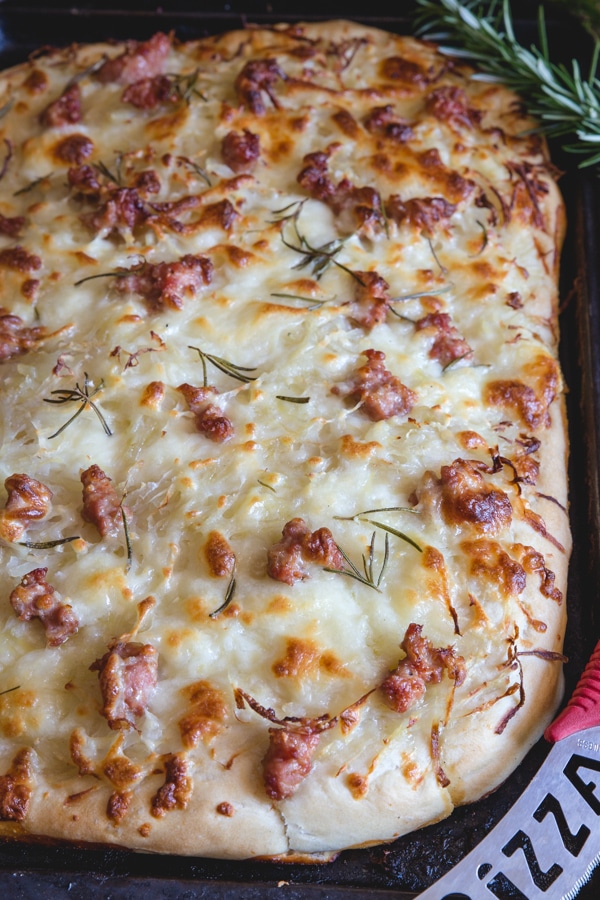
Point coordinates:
[[400, 870]]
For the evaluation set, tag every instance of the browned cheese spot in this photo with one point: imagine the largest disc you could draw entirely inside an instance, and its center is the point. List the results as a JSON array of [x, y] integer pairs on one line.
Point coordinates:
[[490, 562], [219, 555], [358, 784], [206, 714], [304, 658], [530, 403]]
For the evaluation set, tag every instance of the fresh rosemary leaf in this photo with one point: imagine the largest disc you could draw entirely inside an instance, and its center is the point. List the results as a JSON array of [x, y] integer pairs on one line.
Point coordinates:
[[366, 512], [265, 485], [127, 538], [10, 690], [314, 304], [32, 184], [293, 399], [368, 578], [185, 85], [560, 97], [104, 170], [396, 533], [47, 545], [228, 597], [484, 238], [119, 273], [195, 168], [229, 368]]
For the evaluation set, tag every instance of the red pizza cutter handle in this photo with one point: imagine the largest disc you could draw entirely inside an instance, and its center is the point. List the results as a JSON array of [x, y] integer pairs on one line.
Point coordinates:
[[583, 709]]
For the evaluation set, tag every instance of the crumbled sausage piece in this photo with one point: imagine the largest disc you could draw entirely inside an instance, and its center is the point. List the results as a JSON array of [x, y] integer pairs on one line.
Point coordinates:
[[123, 210], [66, 110], [11, 226], [34, 598], [101, 505], [380, 393], [240, 150], [448, 345], [165, 285], [74, 149], [208, 417], [288, 759], [362, 205], [449, 104], [423, 664], [148, 93], [382, 122], [371, 300], [15, 337], [419, 212], [257, 78], [287, 560], [19, 259], [28, 501], [128, 675], [140, 59], [85, 180]]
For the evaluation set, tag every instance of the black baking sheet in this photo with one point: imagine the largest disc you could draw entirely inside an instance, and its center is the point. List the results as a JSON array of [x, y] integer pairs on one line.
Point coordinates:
[[400, 870]]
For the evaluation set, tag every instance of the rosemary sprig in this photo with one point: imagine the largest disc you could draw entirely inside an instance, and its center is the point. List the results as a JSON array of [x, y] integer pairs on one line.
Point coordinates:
[[265, 485], [119, 273], [229, 368], [314, 304], [79, 395], [368, 578], [199, 171], [367, 512], [10, 690], [117, 178], [561, 98], [291, 211], [318, 258], [47, 545], [32, 184], [228, 597], [399, 534], [185, 85], [127, 537], [416, 295]]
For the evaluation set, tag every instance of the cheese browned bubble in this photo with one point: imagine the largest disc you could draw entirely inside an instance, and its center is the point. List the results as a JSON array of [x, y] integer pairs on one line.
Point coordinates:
[[292, 577]]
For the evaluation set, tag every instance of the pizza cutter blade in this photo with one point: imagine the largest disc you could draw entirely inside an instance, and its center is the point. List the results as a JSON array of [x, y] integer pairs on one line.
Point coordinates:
[[548, 843]]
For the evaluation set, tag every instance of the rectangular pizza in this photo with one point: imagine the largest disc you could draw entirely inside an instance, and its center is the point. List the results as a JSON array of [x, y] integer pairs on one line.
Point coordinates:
[[284, 533]]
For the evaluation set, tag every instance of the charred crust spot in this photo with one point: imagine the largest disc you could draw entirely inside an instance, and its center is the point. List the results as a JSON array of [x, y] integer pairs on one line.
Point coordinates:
[[225, 809], [177, 789], [16, 787]]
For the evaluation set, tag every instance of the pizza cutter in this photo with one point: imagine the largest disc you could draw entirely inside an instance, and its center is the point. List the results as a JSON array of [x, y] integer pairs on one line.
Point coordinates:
[[548, 843]]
